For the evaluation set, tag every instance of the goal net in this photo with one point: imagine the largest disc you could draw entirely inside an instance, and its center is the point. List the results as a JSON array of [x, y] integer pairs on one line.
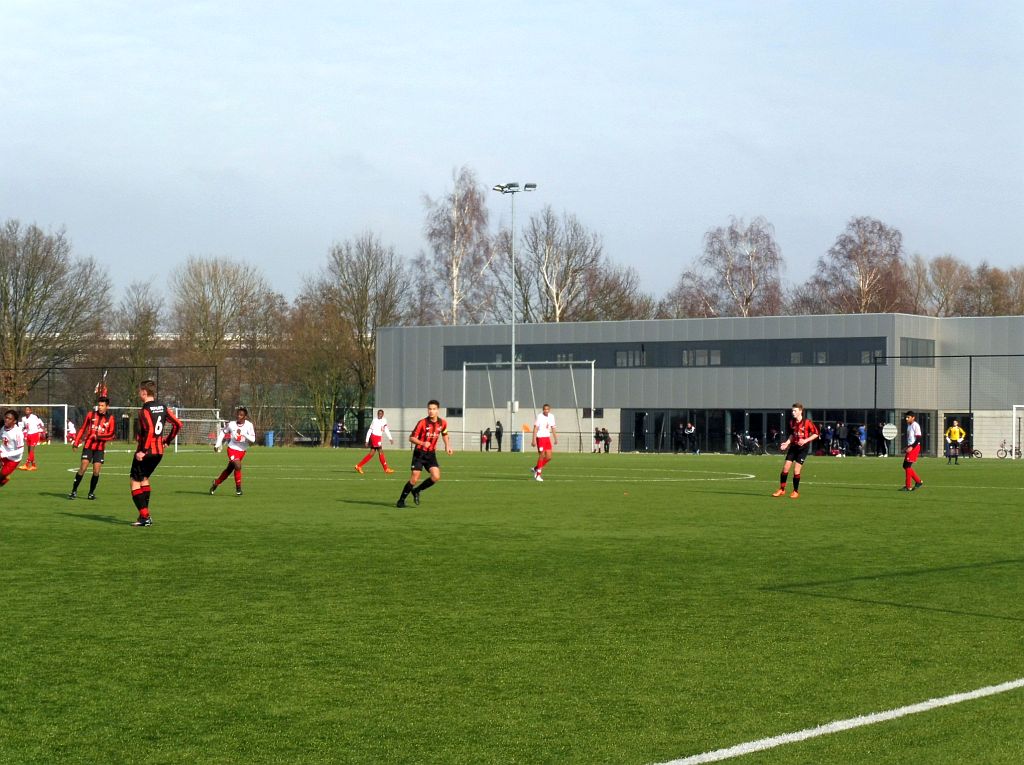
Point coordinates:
[[199, 427], [54, 417], [568, 386]]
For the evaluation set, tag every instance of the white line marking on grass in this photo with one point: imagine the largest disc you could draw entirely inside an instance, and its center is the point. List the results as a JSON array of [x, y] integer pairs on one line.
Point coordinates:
[[840, 725]]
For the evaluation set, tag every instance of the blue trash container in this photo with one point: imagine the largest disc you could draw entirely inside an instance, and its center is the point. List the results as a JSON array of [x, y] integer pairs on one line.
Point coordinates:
[[269, 438], [517, 442]]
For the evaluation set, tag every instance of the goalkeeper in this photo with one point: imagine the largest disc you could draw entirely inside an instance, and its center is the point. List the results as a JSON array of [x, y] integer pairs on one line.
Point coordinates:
[[954, 439], [240, 434]]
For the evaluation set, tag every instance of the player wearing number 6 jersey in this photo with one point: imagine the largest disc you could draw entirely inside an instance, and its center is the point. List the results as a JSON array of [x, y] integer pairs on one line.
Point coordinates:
[[424, 439], [156, 428], [240, 435]]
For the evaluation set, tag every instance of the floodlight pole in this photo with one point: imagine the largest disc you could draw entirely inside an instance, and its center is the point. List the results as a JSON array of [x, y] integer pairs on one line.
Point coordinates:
[[512, 189]]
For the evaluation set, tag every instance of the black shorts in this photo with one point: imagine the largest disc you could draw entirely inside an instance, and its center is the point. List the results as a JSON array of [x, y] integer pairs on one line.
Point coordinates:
[[424, 460], [93, 455], [144, 468], [797, 453]]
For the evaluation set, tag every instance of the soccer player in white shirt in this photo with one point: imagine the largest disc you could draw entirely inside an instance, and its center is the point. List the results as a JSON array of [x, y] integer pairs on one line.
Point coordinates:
[[33, 429], [240, 434], [12, 446], [375, 440], [912, 481], [544, 434]]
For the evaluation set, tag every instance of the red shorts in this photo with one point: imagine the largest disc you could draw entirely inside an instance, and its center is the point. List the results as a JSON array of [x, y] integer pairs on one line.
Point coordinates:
[[33, 439], [543, 444], [7, 466], [913, 454], [376, 441], [235, 454]]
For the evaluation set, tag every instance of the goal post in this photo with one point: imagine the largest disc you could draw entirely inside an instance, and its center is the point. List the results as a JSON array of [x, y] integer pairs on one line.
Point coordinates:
[[568, 396], [1016, 423]]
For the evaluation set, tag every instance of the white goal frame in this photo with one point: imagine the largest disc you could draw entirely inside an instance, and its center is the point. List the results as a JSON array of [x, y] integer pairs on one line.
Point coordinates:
[[20, 409], [1015, 439], [514, 405]]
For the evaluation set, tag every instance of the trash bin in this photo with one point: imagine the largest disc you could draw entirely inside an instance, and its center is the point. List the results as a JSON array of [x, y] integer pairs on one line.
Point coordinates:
[[268, 439], [517, 442]]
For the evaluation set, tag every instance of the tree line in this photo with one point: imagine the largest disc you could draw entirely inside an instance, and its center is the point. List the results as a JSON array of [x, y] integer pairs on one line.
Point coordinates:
[[319, 348]]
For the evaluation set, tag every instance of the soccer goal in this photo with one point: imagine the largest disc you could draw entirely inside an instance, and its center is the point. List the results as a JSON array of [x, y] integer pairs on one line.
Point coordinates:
[[54, 417], [199, 427], [566, 385]]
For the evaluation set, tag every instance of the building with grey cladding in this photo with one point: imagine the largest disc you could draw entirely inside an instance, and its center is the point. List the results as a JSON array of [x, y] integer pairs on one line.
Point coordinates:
[[729, 376]]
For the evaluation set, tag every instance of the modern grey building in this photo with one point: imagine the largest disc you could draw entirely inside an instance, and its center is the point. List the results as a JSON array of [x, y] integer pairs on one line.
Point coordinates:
[[732, 376]]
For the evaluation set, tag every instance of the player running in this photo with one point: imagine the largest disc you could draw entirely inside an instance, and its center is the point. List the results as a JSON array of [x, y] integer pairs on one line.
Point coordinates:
[[543, 434], [157, 427], [911, 453], [97, 431], [796, 446], [12, 446], [33, 428], [241, 435], [424, 454], [375, 440]]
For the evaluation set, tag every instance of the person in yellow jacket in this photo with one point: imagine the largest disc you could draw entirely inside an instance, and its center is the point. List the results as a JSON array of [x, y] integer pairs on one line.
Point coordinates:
[[954, 438]]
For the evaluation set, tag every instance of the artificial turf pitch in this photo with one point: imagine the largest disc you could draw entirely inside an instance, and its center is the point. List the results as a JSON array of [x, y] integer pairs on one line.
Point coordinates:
[[630, 609]]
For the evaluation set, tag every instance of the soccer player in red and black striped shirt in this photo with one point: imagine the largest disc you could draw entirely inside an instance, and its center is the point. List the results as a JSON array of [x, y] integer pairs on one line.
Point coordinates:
[[796, 446], [424, 439], [99, 428], [157, 427]]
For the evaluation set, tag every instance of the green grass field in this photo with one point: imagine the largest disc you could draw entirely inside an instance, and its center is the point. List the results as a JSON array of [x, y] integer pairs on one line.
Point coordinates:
[[630, 609]]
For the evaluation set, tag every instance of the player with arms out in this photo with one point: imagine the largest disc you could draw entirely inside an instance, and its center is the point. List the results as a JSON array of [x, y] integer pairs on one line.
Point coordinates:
[[241, 435], [157, 427], [911, 453], [12, 446], [796, 446], [33, 428], [375, 440], [424, 454], [97, 431], [544, 434]]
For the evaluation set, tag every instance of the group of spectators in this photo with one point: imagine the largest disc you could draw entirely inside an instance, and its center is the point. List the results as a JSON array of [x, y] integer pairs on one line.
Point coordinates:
[[843, 439]]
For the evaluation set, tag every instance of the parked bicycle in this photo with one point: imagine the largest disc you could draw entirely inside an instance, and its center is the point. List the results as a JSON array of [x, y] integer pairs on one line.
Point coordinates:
[[1004, 451]]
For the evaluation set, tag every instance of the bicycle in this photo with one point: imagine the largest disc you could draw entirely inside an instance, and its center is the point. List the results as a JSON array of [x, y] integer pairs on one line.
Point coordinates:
[[1004, 451]]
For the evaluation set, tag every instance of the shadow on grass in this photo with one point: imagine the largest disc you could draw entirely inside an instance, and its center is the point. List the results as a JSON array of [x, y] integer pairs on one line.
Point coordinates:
[[98, 518], [374, 503], [57, 494], [800, 588]]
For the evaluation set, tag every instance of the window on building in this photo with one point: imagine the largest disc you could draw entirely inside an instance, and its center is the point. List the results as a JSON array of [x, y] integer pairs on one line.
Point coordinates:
[[564, 357], [915, 352], [598, 412], [687, 358], [629, 358], [821, 357], [796, 357], [701, 357], [715, 359], [453, 411]]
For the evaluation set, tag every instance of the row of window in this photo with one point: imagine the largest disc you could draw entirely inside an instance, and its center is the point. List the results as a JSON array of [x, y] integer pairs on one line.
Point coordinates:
[[847, 351]]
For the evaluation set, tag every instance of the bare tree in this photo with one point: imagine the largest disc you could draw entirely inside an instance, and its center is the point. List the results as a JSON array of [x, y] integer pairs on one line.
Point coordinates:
[[370, 284], [738, 274], [455, 273], [556, 264], [51, 304], [864, 271], [614, 294], [989, 292], [317, 347], [948, 277], [692, 297], [225, 314]]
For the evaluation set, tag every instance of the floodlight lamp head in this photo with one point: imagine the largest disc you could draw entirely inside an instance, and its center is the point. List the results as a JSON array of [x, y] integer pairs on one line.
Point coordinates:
[[530, 187], [499, 187], [513, 186]]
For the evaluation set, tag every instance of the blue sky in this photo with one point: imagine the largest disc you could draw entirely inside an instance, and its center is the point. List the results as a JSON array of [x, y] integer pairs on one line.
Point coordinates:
[[153, 131]]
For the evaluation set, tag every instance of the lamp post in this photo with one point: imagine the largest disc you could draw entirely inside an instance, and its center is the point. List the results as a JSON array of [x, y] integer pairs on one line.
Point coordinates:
[[513, 189]]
